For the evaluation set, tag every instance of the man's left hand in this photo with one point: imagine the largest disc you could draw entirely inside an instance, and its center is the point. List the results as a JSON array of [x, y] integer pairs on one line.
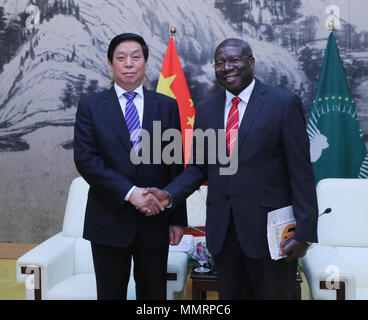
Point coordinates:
[[294, 250]]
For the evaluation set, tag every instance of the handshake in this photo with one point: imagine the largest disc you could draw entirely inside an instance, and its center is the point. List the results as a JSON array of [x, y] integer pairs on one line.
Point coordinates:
[[149, 201]]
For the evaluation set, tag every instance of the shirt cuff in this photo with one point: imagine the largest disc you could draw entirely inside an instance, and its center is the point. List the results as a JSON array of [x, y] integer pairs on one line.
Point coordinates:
[[170, 203], [129, 193]]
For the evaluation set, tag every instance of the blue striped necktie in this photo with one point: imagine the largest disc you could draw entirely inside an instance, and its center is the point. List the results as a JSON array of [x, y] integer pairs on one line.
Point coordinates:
[[132, 120]]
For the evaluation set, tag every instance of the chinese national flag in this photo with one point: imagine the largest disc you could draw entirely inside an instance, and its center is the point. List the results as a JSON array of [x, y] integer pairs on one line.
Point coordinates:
[[173, 84]]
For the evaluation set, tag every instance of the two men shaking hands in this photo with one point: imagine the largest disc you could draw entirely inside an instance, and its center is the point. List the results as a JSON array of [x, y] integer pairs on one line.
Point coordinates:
[[150, 201]]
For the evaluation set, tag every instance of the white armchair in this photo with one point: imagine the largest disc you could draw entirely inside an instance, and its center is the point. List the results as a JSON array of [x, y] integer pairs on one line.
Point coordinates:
[[61, 268], [336, 267]]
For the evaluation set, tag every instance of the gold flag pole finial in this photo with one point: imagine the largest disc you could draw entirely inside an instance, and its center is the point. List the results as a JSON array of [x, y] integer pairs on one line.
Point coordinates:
[[172, 31], [331, 26]]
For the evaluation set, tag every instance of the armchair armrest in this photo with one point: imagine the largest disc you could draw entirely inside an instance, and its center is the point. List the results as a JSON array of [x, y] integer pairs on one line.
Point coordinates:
[[329, 277], [50, 262], [177, 263], [177, 267]]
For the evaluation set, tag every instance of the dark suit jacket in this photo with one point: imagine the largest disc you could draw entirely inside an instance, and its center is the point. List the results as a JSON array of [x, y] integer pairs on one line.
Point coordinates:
[[102, 156], [274, 170]]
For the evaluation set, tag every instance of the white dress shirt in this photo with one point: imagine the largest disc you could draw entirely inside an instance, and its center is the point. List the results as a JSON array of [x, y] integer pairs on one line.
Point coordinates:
[[138, 100], [139, 103], [244, 96]]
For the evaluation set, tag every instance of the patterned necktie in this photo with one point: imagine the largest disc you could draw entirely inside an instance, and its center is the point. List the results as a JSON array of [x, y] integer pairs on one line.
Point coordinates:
[[232, 125], [132, 120]]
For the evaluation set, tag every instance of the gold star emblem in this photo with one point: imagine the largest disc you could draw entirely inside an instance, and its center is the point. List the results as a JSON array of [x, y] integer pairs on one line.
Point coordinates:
[[163, 85], [191, 103], [190, 121]]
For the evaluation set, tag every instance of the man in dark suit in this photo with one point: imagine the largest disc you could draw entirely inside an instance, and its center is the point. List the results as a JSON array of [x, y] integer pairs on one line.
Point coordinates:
[[274, 171], [105, 137]]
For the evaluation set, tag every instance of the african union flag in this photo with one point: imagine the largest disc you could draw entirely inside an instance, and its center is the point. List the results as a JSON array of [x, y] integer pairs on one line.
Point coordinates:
[[336, 140]]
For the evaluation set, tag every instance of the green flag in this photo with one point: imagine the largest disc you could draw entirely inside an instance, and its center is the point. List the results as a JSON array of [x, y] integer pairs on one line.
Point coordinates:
[[336, 140]]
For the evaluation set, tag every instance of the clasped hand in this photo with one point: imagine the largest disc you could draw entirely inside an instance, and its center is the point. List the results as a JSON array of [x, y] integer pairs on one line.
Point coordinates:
[[150, 201]]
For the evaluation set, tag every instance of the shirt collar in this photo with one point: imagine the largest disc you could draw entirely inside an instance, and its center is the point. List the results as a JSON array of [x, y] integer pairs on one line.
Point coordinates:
[[244, 95], [120, 91]]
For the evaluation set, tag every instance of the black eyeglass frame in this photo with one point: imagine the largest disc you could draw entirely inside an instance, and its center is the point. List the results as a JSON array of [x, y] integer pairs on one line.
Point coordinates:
[[233, 62]]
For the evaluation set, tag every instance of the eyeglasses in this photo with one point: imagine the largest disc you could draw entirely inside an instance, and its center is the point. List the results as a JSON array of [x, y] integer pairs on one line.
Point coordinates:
[[231, 62]]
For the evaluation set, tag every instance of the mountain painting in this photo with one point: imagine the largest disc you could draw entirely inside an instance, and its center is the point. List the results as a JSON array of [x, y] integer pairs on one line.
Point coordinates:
[[53, 53]]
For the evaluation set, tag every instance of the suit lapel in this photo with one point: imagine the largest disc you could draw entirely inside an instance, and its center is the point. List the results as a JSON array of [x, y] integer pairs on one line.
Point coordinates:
[[220, 107], [153, 111], [220, 111], [112, 105], [254, 106], [150, 109]]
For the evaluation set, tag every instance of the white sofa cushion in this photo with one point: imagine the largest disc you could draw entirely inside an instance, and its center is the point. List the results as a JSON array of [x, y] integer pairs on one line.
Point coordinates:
[[177, 262], [347, 224], [75, 208], [362, 293], [81, 287], [78, 287], [357, 261], [324, 263], [83, 261]]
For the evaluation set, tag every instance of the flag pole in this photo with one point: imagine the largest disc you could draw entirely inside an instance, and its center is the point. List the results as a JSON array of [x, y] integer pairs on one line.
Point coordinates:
[[331, 26], [172, 33]]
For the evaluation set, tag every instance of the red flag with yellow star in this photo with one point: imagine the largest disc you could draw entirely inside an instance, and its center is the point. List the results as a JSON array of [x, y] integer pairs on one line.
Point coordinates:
[[173, 84]]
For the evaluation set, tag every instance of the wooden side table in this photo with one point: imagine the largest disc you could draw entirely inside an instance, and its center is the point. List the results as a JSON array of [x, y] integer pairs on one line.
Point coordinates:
[[203, 282]]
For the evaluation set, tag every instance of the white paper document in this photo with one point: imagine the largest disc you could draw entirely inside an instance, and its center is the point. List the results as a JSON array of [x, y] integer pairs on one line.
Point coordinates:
[[281, 225], [185, 244]]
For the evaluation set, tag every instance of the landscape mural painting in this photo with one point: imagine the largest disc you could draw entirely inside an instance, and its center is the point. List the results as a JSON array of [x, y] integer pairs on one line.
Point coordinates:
[[53, 53]]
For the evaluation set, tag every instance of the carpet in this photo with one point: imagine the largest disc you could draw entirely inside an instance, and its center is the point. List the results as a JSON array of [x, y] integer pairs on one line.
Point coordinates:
[[9, 288]]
